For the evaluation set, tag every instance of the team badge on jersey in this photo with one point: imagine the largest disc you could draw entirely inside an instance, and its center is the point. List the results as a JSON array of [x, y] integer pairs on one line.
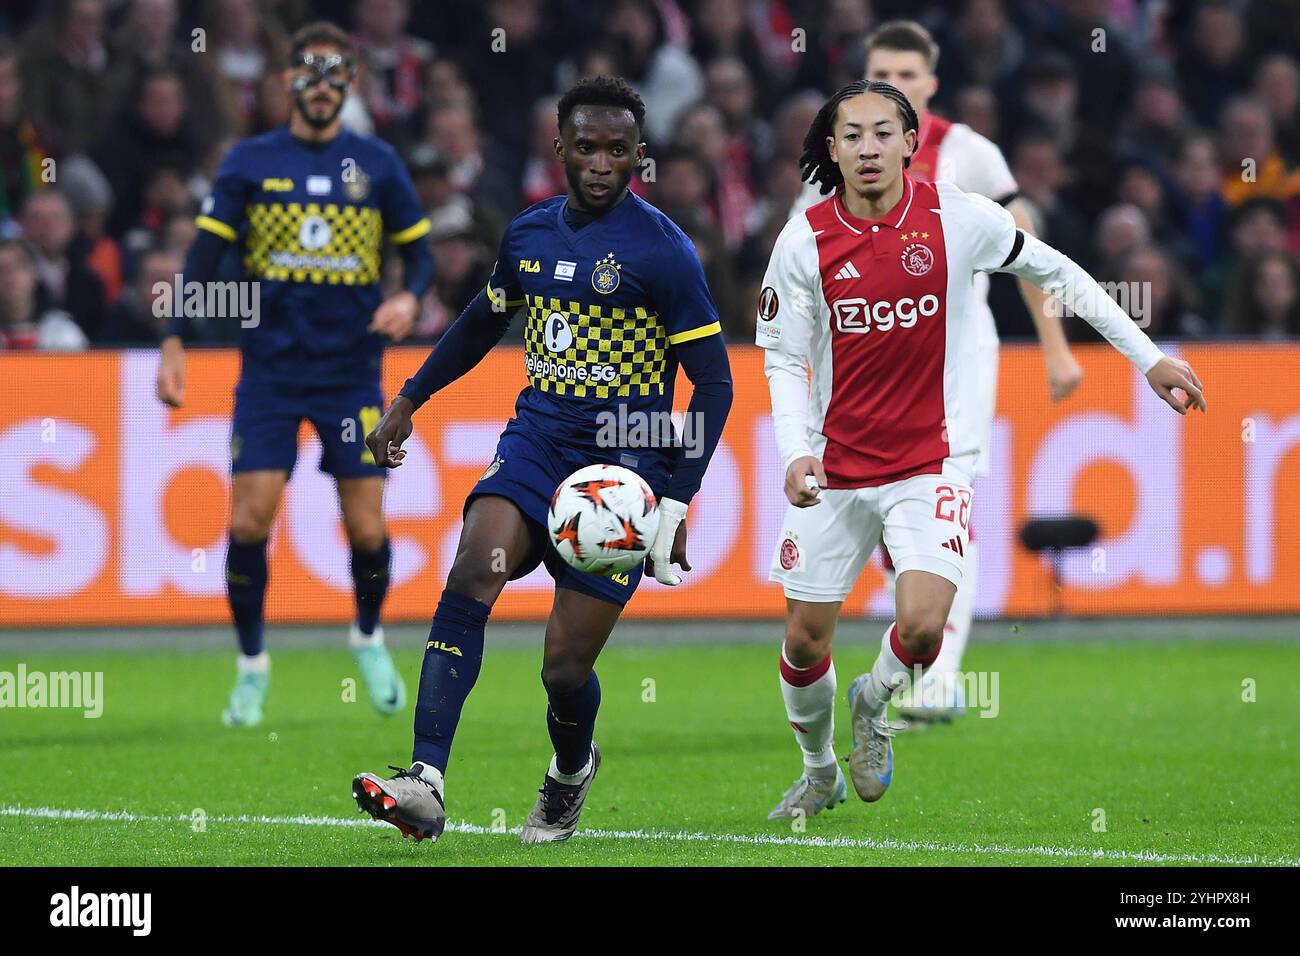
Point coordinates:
[[604, 278], [356, 184], [918, 259]]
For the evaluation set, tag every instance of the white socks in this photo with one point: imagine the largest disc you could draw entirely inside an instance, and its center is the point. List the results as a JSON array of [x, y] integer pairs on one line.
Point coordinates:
[[257, 664], [357, 640], [430, 775], [888, 673], [809, 695], [568, 779]]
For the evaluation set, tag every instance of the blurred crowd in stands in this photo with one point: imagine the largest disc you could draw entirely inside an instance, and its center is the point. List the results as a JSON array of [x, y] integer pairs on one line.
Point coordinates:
[[1158, 142]]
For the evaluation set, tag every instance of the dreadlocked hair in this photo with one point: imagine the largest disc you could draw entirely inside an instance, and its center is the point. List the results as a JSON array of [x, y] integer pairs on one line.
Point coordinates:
[[815, 163]]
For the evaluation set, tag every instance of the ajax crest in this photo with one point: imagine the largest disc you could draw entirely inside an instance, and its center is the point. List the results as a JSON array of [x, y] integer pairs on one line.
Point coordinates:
[[918, 259]]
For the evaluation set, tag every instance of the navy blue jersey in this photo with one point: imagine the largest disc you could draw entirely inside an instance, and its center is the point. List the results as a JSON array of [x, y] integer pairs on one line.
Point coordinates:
[[311, 220], [606, 304]]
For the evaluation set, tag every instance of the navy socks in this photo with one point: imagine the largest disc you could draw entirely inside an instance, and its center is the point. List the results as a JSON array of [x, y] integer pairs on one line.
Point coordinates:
[[452, 658], [246, 588], [370, 580], [571, 720]]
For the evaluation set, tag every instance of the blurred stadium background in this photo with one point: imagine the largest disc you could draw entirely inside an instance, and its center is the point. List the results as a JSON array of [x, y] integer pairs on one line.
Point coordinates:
[[113, 509]]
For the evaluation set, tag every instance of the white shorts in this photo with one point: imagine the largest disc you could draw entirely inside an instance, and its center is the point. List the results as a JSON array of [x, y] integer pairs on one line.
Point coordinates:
[[926, 526]]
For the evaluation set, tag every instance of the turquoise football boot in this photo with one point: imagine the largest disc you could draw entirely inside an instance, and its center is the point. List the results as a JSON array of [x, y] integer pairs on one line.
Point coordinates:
[[383, 683], [247, 699]]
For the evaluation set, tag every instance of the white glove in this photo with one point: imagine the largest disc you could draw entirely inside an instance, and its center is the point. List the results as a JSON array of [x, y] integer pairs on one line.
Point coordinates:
[[671, 514]]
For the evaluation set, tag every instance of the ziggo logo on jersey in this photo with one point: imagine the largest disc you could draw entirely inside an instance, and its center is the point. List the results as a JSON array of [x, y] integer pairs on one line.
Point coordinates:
[[856, 315]]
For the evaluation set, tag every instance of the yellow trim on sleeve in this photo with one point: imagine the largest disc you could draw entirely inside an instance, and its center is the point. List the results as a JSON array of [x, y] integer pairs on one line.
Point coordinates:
[[217, 228], [510, 304], [410, 233], [694, 334]]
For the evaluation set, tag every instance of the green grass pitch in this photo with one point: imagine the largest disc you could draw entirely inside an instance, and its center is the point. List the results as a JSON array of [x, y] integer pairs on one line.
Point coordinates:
[[1155, 735]]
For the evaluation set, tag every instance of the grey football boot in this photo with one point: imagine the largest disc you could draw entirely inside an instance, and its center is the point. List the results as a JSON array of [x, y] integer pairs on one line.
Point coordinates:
[[811, 794], [555, 815], [871, 762], [406, 800]]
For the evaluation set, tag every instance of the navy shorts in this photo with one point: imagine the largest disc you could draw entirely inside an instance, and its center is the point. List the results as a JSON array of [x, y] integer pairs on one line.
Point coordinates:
[[264, 429], [526, 469]]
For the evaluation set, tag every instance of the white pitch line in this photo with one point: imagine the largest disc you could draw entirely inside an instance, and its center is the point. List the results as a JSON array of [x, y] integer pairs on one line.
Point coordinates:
[[678, 836]]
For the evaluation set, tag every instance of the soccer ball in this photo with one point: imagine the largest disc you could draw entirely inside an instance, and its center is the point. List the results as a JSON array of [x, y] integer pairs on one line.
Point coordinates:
[[603, 519]]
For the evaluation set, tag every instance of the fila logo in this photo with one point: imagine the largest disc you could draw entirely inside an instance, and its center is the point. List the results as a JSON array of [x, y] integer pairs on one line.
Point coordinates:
[[529, 265], [440, 646], [856, 315], [620, 578], [954, 544], [277, 185], [848, 271]]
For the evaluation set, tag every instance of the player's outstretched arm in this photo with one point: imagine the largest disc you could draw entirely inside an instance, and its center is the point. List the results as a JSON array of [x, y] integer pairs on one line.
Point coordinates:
[[707, 365], [461, 347], [1063, 372], [1058, 274]]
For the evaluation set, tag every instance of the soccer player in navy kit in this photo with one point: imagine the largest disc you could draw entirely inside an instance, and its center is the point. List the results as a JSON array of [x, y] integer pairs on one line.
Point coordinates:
[[615, 302], [308, 206]]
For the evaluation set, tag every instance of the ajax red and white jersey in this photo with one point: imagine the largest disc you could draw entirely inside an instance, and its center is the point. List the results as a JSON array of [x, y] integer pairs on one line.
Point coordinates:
[[881, 311]]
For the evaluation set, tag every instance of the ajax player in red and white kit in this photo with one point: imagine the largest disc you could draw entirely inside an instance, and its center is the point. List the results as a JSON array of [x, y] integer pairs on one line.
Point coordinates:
[[874, 383], [903, 54]]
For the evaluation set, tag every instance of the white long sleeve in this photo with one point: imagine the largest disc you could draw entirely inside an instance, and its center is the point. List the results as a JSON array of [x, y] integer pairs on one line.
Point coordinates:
[[787, 380], [1058, 275]]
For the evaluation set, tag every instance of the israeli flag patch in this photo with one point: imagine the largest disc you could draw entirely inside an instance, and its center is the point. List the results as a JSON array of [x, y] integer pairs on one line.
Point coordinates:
[[565, 269]]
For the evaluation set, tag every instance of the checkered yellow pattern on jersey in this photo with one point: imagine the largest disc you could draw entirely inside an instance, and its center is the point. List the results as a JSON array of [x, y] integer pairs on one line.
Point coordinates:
[[274, 250], [633, 341]]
